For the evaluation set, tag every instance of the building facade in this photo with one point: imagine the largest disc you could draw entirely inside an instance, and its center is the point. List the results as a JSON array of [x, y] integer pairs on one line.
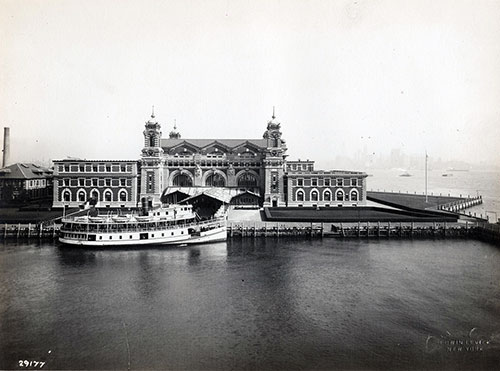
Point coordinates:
[[23, 183], [319, 188], [248, 168], [106, 183], [255, 165]]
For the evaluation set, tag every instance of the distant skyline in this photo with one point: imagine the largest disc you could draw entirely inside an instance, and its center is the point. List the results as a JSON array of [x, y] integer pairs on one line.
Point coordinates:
[[79, 78]]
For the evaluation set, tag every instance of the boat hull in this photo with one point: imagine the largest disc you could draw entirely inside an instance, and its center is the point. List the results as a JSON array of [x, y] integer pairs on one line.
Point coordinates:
[[180, 237]]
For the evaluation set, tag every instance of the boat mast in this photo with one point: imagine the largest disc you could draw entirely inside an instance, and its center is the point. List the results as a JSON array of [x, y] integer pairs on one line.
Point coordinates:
[[426, 157]]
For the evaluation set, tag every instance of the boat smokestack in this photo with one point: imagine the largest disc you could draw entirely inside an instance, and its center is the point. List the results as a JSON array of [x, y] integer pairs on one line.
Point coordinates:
[[6, 147]]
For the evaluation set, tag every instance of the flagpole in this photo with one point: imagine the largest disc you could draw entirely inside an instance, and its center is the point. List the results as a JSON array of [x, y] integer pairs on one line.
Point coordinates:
[[426, 176]]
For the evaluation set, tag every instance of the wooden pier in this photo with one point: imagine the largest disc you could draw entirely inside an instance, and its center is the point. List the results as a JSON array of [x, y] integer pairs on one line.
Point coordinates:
[[387, 230], [29, 231]]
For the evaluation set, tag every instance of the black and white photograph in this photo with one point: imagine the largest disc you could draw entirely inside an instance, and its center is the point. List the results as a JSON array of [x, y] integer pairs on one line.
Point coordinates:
[[250, 185]]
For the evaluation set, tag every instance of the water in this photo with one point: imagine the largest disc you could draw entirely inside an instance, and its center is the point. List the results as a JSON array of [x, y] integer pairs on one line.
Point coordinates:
[[252, 304]]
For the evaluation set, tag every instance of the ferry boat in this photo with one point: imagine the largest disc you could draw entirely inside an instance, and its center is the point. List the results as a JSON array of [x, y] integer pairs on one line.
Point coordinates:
[[166, 225]]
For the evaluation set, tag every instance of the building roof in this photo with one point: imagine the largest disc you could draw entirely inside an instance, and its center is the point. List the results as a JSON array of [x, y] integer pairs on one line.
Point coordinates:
[[168, 143], [25, 171], [222, 194]]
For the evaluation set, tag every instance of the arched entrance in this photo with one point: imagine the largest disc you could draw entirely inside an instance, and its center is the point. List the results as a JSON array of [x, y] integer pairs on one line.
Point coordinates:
[[182, 180]]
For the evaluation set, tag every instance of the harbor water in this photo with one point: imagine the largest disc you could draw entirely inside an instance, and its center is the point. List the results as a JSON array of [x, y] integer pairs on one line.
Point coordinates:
[[253, 304]]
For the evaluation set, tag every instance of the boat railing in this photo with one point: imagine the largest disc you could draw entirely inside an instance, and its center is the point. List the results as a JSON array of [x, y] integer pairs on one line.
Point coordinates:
[[106, 227]]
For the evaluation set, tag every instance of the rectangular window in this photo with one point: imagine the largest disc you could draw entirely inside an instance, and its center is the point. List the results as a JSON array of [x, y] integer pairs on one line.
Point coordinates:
[[101, 182], [81, 168], [101, 168], [340, 182], [94, 168], [314, 182], [300, 182], [327, 182], [304, 167], [115, 182], [108, 182], [66, 168], [94, 182], [354, 182], [81, 182], [88, 182], [61, 168], [108, 168], [123, 182], [122, 168], [73, 182]]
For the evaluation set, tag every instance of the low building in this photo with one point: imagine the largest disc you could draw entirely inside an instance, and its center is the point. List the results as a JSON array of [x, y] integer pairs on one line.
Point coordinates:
[[105, 183], [306, 186], [23, 183]]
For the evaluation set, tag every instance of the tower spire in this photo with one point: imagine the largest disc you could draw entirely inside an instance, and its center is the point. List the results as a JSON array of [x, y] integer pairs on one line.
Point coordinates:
[[273, 114], [153, 112]]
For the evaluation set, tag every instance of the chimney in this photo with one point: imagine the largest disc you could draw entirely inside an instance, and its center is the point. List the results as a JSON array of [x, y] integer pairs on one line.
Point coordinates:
[[6, 147]]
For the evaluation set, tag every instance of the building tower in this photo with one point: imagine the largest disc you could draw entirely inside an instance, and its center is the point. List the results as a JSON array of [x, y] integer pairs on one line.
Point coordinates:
[[273, 163], [152, 177]]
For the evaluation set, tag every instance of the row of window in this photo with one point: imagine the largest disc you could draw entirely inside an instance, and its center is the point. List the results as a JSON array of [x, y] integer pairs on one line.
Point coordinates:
[[303, 167], [95, 182], [95, 168], [326, 182], [340, 195], [210, 163], [83, 196]]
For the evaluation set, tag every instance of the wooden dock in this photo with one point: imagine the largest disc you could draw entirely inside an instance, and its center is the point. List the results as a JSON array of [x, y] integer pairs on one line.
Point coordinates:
[[387, 230]]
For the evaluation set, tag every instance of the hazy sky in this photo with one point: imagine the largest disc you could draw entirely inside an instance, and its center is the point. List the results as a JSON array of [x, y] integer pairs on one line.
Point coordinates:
[[78, 78]]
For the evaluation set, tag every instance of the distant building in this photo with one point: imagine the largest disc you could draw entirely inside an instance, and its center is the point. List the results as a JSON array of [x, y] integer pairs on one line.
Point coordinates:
[[22, 183], [106, 183]]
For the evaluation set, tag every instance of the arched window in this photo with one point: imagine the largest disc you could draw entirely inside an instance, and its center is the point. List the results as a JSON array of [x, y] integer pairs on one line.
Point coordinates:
[[300, 196], [340, 195], [82, 197], [66, 195], [182, 180], [247, 180], [95, 195], [215, 180], [108, 196], [327, 196], [152, 141], [314, 195], [123, 196], [354, 195]]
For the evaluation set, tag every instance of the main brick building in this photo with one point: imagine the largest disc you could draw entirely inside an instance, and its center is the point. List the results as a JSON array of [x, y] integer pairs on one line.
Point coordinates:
[[257, 168]]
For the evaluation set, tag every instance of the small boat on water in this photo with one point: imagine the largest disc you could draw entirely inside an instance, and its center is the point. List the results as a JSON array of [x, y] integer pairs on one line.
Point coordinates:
[[406, 174], [446, 174], [166, 225]]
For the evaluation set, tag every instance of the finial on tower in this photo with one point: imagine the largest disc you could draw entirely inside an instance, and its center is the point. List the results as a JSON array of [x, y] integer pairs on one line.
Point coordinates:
[[273, 114], [153, 112], [175, 124]]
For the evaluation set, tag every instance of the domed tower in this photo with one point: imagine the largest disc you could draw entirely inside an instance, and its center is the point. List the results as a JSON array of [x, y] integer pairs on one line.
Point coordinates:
[[274, 161], [174, 134], [152, 163]]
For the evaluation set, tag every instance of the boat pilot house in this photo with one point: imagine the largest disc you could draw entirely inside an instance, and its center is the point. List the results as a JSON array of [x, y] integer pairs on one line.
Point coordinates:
[[215, 173]]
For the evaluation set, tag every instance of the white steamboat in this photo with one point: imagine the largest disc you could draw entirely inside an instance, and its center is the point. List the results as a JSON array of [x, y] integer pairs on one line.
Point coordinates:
[[167, 225]]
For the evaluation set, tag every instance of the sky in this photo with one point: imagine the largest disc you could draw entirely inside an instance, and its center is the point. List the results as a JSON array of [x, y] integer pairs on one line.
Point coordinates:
[[79, 78]]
